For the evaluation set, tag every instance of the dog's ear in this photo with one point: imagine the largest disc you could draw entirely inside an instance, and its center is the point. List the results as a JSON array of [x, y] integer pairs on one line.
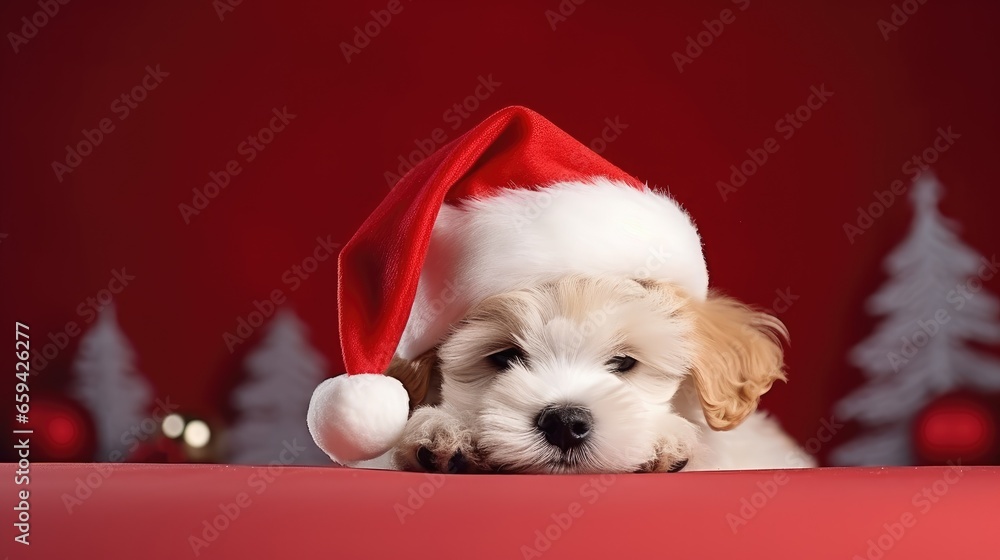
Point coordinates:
[[738, 356], [420, 376]]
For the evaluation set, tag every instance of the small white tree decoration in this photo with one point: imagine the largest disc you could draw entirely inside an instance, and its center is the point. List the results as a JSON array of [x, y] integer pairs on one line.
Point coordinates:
[[272, 403], [107, 384], [933, 304]]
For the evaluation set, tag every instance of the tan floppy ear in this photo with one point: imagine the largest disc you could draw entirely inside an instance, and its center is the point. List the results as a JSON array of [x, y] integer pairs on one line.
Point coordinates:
[[420, 376], [738, 357]]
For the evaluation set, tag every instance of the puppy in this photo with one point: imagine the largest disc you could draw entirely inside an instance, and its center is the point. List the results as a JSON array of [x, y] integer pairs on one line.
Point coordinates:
[[597, 375]]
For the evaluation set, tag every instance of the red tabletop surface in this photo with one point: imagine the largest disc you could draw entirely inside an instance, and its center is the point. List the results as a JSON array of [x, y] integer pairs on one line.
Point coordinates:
[[218, 511]]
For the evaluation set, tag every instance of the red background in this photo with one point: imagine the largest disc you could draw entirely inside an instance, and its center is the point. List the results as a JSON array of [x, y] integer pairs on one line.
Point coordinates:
[[325, 172]]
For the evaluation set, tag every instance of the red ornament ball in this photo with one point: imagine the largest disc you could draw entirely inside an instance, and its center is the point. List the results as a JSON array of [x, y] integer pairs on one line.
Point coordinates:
[[61, 430], [958, 427]]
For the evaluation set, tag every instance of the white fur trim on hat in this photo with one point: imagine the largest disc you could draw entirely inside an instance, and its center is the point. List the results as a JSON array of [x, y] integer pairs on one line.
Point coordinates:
[[357, 417], [520, 237]]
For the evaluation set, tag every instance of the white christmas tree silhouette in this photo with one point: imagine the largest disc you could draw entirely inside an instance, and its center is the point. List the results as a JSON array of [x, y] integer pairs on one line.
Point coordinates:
[[934, 304], [272, 403], [108, 385]]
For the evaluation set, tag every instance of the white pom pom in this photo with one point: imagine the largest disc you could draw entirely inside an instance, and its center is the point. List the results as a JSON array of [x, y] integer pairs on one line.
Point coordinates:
[[357, 417]]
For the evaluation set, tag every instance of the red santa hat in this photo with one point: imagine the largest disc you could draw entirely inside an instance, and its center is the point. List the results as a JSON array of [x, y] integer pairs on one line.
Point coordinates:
[[514, 202]]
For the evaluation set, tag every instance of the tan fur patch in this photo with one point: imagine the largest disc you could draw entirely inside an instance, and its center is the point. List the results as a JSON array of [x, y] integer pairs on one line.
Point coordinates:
[[740, 356], [416, 375]]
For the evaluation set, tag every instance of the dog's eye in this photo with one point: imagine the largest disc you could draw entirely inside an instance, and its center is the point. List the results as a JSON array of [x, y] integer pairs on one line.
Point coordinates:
[[621, 364], [506, 358]]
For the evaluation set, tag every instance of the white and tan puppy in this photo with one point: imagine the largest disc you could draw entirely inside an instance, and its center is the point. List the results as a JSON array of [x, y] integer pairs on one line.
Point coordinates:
[[567, 328], [591, 374]]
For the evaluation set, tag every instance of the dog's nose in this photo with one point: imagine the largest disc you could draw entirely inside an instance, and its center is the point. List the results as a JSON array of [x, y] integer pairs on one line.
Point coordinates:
[[565, 426]]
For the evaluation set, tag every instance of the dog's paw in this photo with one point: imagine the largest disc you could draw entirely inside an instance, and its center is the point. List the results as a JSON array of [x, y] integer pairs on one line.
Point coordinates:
[[436, 441], [665, 463], [443, 460], [669, 458], [673, 451]]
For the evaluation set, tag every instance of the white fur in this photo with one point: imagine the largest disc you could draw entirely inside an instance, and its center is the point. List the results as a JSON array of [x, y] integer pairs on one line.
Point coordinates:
[[522, 237], [646, 419], [357, 417], [757, 443]]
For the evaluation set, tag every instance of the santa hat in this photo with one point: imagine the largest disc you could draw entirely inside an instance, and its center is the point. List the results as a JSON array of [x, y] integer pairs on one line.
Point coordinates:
[[514, 202]]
